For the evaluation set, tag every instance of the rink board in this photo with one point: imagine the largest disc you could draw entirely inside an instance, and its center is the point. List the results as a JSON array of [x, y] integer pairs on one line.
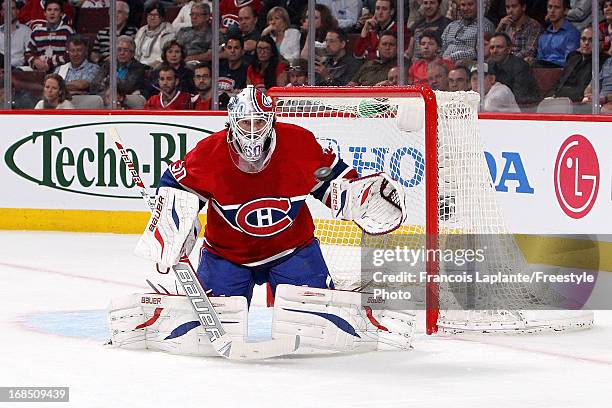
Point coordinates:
[[61, 171]]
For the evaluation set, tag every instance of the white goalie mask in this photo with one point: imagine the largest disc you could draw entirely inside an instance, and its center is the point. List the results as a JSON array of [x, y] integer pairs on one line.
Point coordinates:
[[251, 135]]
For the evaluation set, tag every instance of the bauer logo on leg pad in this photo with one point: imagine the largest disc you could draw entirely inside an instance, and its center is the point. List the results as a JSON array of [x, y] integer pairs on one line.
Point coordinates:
[[150, 300], [159, 205]]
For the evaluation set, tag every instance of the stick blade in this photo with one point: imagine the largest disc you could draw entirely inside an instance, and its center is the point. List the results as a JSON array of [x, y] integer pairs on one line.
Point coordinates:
[[236, 350]]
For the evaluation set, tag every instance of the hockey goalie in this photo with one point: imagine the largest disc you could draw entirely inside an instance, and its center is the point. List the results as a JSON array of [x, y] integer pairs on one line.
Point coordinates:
[[255, 176]]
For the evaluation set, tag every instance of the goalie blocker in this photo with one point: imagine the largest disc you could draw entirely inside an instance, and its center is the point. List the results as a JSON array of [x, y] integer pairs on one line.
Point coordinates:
[[326, 321]]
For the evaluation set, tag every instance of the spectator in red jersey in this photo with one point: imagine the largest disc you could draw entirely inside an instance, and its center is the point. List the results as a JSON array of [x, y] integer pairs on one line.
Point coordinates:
[[367, 43], [605, 27], [228, 9], [429, 46], [33, 13], [203, 83], [47, 47], [169, 97], [266, 71]]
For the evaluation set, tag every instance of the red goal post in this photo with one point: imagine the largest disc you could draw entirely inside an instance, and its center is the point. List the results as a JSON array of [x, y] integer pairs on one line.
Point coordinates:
[[431, 154]]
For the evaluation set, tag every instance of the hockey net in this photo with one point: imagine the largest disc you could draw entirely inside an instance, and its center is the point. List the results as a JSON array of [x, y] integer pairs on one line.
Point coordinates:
[[430, 143]]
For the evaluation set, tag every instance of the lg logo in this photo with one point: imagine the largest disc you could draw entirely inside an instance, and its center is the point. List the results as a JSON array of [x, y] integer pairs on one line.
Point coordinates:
[[576, 176]]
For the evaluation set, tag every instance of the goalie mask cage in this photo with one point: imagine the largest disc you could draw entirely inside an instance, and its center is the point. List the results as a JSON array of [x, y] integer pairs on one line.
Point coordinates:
[[429, 141]]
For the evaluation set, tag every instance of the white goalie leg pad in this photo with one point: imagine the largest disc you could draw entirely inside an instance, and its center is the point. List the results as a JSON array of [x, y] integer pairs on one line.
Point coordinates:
[[335, 321], [376, 203], [168, 323], [173, 228], [397, 330]]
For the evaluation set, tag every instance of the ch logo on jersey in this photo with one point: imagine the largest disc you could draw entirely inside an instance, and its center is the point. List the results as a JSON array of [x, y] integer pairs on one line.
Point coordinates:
[[228, 20], [264, 217]]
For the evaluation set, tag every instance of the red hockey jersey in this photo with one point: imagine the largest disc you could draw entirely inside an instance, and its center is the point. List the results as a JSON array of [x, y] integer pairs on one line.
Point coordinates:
[[181, 101], [229, 10], [255, 218]]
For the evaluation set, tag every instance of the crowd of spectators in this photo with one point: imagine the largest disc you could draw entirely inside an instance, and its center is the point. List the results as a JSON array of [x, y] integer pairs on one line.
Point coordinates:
[[533, 50]]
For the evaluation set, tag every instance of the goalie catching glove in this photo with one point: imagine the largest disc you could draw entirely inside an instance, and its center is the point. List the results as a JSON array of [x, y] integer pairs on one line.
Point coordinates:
[[376, 203], [173, 228]]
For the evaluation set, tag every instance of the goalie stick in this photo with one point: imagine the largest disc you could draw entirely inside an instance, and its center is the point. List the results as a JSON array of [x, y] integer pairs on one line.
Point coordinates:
[[233, 349]]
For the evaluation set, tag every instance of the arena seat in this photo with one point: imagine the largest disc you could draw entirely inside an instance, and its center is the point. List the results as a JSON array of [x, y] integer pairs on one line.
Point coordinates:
[[555, 105], [135, 101], [546, 78], [91, 20], [87, 102], [30, 81], [352, 39]]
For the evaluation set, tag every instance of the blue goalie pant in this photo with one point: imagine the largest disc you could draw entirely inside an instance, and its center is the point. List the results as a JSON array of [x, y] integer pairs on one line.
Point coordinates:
[[305, 266]]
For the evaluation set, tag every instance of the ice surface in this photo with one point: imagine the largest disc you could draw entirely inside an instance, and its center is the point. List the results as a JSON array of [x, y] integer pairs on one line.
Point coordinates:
[[54, 288]]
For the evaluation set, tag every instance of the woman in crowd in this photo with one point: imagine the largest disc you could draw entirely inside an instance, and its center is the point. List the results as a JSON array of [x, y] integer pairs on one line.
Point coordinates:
[[174, 55], [266, 71], [151, 37], [55, 94], [286, 39], [324, 21]]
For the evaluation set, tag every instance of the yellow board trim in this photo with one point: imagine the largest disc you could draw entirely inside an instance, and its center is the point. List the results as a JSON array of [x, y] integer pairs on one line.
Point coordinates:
[[119, 222], [546, 250]]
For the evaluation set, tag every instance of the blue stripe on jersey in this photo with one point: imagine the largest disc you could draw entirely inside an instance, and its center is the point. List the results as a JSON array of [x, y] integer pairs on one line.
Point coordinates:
[[336, 171], [168, 180]]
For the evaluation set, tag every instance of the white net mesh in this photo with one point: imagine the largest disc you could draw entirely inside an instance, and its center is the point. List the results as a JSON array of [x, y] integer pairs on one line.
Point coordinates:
[[388, 134]]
